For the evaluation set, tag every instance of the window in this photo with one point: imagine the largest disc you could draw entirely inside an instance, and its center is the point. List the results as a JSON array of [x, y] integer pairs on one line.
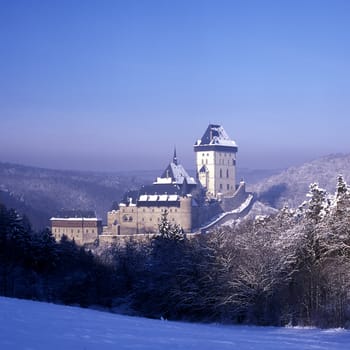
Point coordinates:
[[227, 173], [228, 187], [71, 230], [220, 186], [220, 173], [87, 231]]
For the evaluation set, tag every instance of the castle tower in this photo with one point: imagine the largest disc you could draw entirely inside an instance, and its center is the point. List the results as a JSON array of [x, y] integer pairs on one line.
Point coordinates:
[[216, 161]]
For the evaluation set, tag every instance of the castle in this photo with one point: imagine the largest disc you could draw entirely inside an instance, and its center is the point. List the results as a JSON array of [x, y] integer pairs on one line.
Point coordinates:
[[189, 202]]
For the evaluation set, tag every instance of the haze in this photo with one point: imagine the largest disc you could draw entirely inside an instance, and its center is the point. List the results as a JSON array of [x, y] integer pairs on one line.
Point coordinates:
[[115, 85]]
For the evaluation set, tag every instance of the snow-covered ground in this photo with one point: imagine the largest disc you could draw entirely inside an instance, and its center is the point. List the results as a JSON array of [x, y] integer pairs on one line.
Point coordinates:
[[31, 325]]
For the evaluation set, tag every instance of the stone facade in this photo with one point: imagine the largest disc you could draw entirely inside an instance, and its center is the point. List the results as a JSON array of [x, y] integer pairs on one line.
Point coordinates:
[[216, 162], [81, 230], [144, 217]]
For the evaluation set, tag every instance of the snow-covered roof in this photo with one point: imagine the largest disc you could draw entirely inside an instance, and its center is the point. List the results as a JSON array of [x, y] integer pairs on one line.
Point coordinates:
[[177, 174], [74, 219], [215, 135], [163, 197]]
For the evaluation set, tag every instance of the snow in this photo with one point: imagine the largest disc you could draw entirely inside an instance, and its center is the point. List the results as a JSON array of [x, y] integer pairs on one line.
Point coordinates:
[[173, 197], [40, 326], [75, 219]]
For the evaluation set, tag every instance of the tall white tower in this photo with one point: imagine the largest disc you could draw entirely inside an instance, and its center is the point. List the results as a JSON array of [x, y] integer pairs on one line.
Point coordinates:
[[216, 161]]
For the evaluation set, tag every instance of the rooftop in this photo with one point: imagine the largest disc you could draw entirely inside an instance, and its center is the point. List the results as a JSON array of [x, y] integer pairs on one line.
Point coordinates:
[[215, 135]]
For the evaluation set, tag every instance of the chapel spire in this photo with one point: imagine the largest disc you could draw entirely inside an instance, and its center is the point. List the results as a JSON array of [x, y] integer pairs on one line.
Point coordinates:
[[175, 157]]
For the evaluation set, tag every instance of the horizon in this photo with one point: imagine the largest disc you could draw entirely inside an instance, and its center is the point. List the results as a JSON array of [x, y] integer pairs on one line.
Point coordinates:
[[114, 86]]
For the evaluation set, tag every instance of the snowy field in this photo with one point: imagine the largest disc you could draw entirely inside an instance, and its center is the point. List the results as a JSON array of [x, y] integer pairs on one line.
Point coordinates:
[[32, 325]]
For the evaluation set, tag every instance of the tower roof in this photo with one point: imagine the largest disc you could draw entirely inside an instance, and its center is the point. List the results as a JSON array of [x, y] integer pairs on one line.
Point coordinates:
[[215, 137]]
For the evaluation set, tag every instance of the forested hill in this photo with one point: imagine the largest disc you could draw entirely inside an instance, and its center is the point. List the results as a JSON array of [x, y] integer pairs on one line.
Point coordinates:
[[40, 193], [290, 186]]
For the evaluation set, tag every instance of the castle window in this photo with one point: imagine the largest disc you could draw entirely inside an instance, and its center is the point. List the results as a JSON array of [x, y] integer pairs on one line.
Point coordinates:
[[93, 231], [87, 231], [227, 174], [130, 218], [125, 218], [150, 219], [233, 162], [228, 187], [78, 231], [220, 172], [220, 186]]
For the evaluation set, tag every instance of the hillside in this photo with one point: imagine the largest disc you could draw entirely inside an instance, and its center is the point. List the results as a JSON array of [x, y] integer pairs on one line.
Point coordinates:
[[75, 328], [291, 185], [40, 193]]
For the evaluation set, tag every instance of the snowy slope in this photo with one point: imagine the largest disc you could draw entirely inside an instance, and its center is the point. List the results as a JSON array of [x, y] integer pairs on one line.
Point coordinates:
[[32, 325], [290, 186]]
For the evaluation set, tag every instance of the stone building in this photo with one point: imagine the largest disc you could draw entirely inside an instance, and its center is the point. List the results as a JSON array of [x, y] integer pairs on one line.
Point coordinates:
[[81, 226], [141, 211], [216, 162]]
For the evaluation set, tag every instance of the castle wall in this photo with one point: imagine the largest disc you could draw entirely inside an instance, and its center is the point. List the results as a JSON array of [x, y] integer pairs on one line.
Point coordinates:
[[229, 203], [132, 219]]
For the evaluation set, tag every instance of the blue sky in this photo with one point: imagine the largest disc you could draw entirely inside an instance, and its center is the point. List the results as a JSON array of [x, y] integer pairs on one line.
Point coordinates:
[[114, 85]]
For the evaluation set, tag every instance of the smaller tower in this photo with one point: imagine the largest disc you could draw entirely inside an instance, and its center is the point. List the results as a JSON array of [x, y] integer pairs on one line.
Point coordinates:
[[216, 161]]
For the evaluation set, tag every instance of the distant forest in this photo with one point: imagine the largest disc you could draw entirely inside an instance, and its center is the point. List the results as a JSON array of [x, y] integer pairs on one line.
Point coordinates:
[[292, 268]]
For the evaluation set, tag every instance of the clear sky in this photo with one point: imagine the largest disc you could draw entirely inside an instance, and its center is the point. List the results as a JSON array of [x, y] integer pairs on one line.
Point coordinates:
[[114, 85]]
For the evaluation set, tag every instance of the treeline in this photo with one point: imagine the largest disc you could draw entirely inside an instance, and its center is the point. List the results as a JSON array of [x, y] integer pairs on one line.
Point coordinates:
[[289, 269], [34, 266]]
